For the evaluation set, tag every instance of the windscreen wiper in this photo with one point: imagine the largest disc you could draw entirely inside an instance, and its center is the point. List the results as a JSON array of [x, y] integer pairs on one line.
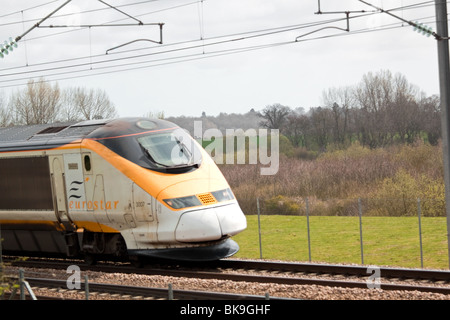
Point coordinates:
[[147, 153]]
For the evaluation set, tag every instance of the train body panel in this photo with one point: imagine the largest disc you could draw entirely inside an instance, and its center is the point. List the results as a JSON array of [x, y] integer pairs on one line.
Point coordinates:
[[115, 188], [209, 224]]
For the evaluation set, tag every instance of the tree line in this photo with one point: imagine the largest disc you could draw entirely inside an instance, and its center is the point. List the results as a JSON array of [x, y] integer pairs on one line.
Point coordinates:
[[40, 102], [381, 110]]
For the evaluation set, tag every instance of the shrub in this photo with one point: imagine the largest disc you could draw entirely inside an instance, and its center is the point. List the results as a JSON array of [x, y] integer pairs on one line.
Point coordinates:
[[354, 151], [421, 157], [281, 205], [332, 207], [398, 196], [393, 178]]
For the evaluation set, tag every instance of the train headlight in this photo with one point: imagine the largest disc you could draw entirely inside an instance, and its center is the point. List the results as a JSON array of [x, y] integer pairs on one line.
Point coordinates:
[[193, 201], [183, 202], [223, 195]]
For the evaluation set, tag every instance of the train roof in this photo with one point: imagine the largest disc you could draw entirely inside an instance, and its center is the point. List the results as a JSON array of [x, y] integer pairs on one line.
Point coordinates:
[[48, 136]]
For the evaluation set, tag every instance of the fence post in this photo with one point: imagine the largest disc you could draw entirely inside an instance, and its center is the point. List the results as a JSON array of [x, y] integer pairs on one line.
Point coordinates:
[[360, 230], [307, 225], [25, 285], [86, 286], [1, 250], [419, 212], [259, 229], [170, 291], [21, 284]]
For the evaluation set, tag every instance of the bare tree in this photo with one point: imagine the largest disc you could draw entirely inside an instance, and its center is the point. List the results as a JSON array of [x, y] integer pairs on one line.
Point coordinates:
[[275, 116], [321, 120], [89, 104], [39, 102], [297, 128], [5, 113], [404, 112], [154, 114], [374, 96], [340, 101], [389, 110], [431, 117], [70, 111]]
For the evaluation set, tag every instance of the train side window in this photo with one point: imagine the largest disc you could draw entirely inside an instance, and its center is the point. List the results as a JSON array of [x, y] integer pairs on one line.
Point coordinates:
[[87, 163]]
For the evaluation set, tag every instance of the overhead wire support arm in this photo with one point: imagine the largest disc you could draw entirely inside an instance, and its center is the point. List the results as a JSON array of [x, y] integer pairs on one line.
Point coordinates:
[[420, 27], [338, 12], [307, 34], [139, 23], [139, 40], [112, 7], [8, 46], [338, 28], [347, 14], [101, 25], [37, 25]]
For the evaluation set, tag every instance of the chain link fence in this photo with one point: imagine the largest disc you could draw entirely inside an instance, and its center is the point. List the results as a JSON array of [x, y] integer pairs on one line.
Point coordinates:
[[392, 231]]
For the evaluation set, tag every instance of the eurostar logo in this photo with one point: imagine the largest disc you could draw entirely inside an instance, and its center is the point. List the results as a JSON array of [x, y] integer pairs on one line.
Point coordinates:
[[74, 188], [93, 205]]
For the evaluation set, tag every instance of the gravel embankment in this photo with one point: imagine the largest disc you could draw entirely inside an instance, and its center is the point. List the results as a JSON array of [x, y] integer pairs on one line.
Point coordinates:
[[309, 292]]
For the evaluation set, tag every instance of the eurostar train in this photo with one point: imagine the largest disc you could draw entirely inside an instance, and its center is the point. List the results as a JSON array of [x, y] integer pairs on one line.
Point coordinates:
[[116, 189]]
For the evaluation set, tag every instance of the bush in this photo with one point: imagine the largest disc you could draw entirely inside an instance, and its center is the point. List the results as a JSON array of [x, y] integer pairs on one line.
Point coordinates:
[[281, 205], [398, 196], [390, 180], [421, 157]]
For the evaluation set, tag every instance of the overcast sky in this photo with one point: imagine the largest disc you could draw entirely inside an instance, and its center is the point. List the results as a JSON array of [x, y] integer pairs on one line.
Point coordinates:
[[217, 55]]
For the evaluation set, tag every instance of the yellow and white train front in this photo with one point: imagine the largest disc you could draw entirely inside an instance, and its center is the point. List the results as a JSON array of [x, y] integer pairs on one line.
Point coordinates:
[[183, 206]]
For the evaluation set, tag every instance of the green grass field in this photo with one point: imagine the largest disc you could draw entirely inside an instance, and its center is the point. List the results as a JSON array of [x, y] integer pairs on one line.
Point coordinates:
[[387, 241]]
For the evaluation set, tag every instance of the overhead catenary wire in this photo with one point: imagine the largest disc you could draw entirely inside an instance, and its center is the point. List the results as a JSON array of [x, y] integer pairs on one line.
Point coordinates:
[[107, 24], [65, 15], [222, 36], [42, 20], [124, 13], [245, 35], [178, 59], [438, 37], [234, 38], [25, 42], [156, 63], [39, 23], [201, 19], [31, 8], [103, 66], [185, 58]]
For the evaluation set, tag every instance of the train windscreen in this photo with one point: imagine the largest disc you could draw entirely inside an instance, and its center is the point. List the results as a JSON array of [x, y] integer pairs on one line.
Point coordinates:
[[170, 149]]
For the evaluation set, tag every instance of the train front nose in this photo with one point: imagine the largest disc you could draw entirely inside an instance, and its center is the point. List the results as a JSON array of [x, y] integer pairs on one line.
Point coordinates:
[[209, 224]]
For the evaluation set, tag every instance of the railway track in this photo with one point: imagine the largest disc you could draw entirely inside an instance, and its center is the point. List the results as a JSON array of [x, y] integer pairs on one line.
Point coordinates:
[[147, 293], [368, 275], [435, 281]]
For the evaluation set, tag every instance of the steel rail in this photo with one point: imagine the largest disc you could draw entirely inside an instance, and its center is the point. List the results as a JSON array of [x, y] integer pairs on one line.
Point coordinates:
[[150, 292], [386, 272], [295, 276]]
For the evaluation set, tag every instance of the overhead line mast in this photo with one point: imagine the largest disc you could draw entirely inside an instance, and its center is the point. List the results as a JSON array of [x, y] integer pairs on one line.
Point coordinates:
[[444, 83], [444, 80]]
